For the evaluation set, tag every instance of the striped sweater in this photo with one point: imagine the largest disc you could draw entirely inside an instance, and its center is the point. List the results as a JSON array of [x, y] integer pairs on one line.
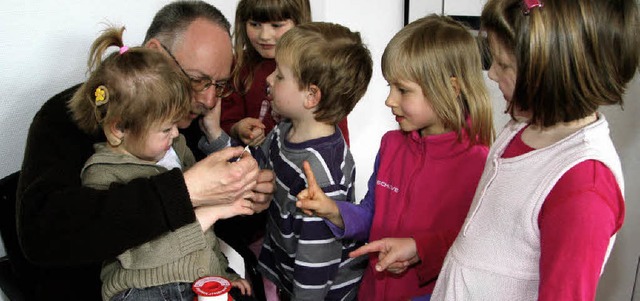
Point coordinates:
[[300, 253]]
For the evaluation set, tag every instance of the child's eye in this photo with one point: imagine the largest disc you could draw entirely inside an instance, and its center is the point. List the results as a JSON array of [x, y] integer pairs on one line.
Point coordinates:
[[279, 77], [277, 25], [400, 89], [253, 24]]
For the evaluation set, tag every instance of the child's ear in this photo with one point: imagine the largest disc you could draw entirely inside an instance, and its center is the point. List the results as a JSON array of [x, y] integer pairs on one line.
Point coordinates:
[[314, 96], [114, 133], [455, 85]]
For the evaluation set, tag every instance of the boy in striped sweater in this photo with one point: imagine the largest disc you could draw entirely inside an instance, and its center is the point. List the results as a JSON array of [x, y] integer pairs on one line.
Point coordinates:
[[322, 71]]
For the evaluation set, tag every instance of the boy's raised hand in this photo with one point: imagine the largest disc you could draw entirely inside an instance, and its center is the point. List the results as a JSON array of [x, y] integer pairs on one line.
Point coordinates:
[[313, 201], [249, 130]]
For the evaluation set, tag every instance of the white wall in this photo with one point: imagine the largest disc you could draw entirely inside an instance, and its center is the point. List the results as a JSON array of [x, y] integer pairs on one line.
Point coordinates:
[[44, 50]]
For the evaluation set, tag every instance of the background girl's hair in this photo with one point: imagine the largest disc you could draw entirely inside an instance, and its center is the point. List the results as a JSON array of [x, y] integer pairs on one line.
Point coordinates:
[[143, 87], [572, 55], [248, 58], [434, 51]]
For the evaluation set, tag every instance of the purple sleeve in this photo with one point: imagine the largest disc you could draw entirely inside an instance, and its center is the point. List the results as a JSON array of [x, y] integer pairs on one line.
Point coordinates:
[[357, 218]]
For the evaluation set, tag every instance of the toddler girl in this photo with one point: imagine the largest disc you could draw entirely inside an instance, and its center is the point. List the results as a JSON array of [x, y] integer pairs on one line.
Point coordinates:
[[135, 97]]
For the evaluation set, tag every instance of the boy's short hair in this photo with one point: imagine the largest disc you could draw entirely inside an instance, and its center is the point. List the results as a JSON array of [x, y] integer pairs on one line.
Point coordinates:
[[571, 56], [331, 57]]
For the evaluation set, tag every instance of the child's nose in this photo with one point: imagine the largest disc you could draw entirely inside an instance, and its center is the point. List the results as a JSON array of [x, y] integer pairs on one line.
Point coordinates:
[[265, 33], [390, 101]]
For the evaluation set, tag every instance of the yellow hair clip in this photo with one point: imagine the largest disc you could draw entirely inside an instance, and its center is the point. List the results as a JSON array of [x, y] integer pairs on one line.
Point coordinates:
[[102, 95]]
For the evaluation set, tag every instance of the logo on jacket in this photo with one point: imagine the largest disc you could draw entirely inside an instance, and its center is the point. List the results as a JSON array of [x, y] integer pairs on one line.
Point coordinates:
[[387, 186]]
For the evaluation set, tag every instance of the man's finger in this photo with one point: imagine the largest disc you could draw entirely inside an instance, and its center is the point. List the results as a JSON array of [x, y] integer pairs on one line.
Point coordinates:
[[228, 153]]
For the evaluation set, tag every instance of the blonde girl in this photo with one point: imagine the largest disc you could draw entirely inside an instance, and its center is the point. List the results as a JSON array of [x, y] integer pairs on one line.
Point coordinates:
[[425, 174]]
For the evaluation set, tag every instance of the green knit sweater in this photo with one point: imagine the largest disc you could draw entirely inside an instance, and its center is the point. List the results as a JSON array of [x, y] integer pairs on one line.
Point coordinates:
[[183, 255]]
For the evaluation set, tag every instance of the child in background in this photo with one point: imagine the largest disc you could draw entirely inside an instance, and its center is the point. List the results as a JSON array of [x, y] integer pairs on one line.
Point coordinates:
[[135, 97], [246, 113], [322, 71], [425, 174], [550, 200], [259, 24]]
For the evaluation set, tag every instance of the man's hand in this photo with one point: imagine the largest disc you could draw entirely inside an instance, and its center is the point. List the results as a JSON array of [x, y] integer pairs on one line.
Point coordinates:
[[394, 254], [313, 201], [214, 180], [263, 192]]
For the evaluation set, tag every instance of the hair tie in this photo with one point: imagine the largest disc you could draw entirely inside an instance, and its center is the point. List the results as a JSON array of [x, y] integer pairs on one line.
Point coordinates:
[[529, 4], [123, 49], [102, 95]]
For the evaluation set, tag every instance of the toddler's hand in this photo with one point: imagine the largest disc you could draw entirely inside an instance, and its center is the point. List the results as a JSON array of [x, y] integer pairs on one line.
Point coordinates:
[[249, 130], [208, 215], [313, 201], [242, 285]]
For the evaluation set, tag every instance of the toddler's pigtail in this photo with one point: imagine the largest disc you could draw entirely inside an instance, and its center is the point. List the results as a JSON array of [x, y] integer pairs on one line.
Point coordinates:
[[111, 36], [90, 103]]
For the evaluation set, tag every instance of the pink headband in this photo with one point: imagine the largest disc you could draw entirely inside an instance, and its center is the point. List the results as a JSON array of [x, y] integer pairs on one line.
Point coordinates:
[[529, 4], [123, 49]]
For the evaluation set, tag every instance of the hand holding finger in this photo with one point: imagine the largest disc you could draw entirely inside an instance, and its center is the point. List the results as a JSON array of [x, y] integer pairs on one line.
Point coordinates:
[[213, 180]]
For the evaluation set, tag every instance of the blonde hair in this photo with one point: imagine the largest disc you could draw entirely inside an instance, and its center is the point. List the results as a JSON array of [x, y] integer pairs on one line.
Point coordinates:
[[143, 88], [431, 51], [247, 57], [571, 56], [331, 57]]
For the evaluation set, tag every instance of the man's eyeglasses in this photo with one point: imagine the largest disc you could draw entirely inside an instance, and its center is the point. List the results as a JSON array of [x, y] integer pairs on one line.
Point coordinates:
[[223, 88]]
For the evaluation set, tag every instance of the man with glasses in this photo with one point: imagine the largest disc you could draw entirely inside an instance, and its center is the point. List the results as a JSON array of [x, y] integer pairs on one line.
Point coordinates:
[[70, 229]]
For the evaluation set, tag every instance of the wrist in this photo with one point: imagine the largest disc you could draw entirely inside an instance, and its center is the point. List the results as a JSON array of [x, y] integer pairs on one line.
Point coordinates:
[[192, 190], [213, 134], [233, 131], [337, 220]]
